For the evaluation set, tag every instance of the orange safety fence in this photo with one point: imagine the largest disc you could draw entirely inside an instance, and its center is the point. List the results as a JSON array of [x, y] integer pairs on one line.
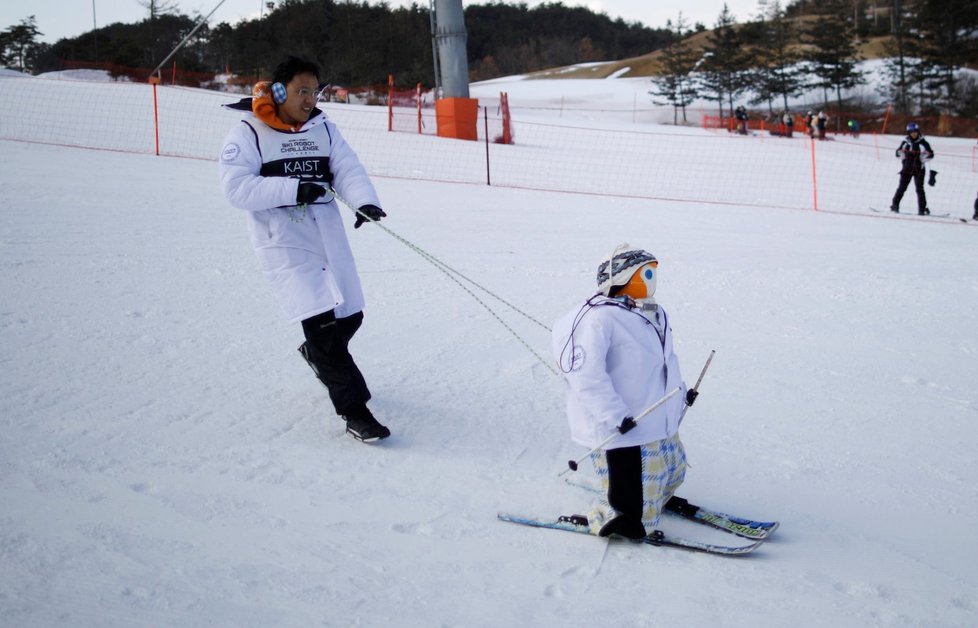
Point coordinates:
[[621, 159], [867, 122]]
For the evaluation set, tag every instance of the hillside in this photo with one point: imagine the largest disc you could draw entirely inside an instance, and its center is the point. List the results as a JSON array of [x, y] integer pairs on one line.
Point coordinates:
[[649, 65]]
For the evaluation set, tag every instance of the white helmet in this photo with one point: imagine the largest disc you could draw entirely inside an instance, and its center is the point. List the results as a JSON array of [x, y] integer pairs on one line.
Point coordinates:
[[625, 263]]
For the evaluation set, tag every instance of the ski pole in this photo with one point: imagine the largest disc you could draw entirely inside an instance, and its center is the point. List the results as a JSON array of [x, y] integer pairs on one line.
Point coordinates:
[[699, 380], [572, 464]]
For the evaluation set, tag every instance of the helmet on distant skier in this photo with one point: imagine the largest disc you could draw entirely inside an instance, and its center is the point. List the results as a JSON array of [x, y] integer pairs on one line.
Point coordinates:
[[633, 273], [913, 128]]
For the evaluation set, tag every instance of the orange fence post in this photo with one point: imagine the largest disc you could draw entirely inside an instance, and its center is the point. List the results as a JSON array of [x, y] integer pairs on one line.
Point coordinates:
[[390, 103], [886, 118], [507, 130], [154, 80]]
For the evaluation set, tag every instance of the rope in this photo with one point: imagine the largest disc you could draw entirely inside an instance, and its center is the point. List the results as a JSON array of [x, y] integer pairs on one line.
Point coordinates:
[[453, 275]]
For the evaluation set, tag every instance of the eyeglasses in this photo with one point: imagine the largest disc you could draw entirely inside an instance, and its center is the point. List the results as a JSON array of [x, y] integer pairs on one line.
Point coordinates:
[[315, 94]]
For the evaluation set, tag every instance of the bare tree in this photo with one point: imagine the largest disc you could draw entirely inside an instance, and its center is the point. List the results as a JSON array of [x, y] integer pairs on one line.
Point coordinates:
[[158, 7]]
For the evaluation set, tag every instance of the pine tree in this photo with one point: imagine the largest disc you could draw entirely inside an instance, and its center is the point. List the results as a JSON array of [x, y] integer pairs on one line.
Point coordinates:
[[833, 57], [778, 72], [947, 32], [679, 59], [725, 69], [18, 44]]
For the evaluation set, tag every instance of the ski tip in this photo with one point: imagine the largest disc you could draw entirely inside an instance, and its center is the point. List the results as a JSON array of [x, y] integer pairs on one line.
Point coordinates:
[[710, 548], [747, 549]]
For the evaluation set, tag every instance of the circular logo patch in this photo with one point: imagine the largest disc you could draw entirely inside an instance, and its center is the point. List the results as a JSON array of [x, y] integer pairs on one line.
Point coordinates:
[[231, 152], [577, 359]]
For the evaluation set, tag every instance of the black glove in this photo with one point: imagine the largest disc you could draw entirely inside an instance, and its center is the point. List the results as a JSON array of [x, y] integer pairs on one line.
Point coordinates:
[[691, 396], [372, 212], [308, 193], [626, 425], [933, 178]]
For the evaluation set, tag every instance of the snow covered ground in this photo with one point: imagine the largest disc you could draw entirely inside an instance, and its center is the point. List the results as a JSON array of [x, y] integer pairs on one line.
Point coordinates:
[[167, 459]]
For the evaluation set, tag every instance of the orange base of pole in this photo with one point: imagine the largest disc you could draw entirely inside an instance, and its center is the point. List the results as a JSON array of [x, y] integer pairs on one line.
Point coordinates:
[[457, 118]]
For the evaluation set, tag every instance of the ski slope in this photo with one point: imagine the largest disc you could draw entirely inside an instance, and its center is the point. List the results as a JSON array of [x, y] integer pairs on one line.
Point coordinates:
[[167, 459]]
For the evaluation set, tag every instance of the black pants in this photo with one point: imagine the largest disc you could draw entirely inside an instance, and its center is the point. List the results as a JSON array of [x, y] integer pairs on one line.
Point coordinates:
[[625, 487], [918, 181], [327, 342]]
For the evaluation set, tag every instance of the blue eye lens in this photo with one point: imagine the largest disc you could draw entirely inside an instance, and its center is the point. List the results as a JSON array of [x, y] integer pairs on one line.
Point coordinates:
[[648, 273]]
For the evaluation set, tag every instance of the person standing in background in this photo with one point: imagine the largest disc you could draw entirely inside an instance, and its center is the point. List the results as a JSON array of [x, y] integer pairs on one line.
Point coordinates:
[[915, 152]]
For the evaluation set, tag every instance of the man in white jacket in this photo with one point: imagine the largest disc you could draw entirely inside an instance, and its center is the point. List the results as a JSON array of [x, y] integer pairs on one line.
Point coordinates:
[[615, 351], [281, 164]]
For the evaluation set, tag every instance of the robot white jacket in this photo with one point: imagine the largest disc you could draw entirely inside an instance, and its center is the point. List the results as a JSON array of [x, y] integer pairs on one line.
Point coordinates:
[[615, 365], [303, 251]]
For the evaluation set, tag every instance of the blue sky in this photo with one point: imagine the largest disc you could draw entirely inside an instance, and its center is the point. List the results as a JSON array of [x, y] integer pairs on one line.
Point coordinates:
[[68, 18]]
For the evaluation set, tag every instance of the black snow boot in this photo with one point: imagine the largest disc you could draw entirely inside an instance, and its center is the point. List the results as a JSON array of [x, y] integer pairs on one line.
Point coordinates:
[[625, 526], [895, 209], [924, 212], [361, 425]]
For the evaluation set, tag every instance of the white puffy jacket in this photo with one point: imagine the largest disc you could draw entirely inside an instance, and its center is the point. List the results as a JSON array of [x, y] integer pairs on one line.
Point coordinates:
[[303, 252], [615, 365]]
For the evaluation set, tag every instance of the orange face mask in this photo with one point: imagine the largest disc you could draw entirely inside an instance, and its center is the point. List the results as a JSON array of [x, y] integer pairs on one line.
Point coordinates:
[[642, 283]]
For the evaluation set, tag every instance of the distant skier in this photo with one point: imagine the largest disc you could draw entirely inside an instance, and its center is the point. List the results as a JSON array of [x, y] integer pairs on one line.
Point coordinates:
[[615, 351], [821, 122], [741, 115], [915, 152], [281, 163]]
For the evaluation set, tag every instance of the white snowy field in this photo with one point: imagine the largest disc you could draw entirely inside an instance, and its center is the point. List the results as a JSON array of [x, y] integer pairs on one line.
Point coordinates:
[[167, 458]]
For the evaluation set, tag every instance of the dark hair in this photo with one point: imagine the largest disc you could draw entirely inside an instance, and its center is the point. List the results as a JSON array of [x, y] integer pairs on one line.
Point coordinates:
[[292, 65]]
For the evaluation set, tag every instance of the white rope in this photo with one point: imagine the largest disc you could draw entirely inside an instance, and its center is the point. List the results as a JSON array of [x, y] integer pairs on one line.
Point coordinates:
[[453, 274]]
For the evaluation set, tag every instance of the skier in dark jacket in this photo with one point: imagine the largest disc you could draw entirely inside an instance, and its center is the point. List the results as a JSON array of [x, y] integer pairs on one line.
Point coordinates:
[[915, 151], [741, 114]]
